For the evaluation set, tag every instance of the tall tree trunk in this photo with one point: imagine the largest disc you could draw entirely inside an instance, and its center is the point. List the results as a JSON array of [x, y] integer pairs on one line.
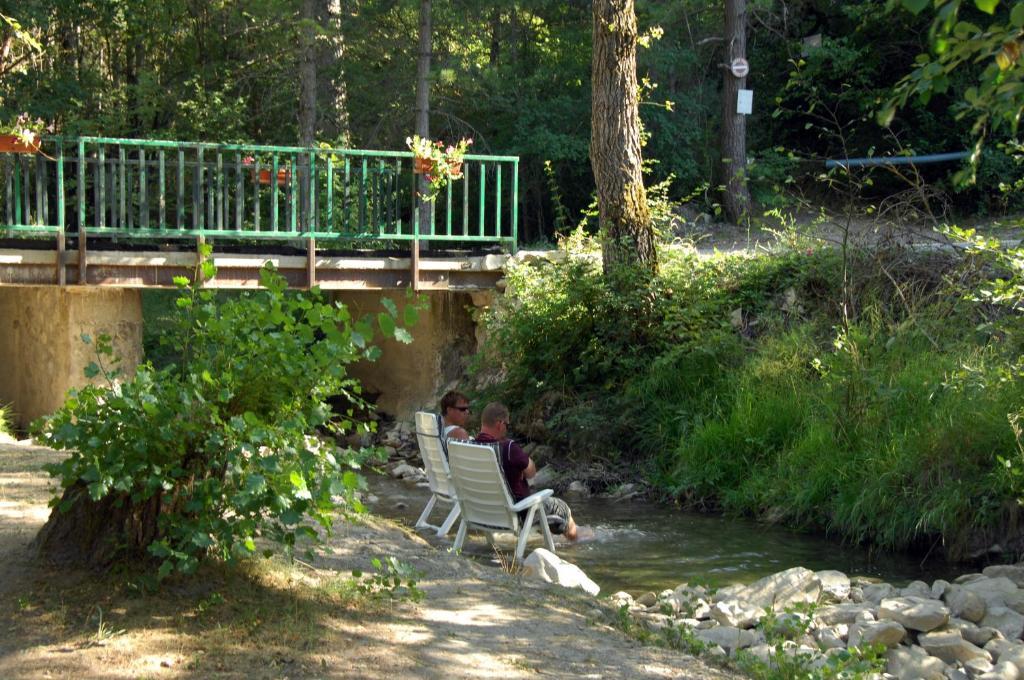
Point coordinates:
[[334, 121], [423, 104], [307, 74], [736, 197], [626, 231]]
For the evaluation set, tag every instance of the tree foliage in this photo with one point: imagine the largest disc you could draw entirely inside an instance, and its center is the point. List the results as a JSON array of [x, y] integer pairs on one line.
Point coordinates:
[[214, 452], [515, 77]]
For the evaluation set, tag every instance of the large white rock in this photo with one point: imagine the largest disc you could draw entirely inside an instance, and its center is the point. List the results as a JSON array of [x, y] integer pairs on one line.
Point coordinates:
[[736, 613], [887, 633], [913, 663], [993, 590], [1014, 572], [951, 647], [915, 613], [965, 603], [549, 567], [404, 470], [835, 585], [778, 591], [728, 638], [1005, 620]]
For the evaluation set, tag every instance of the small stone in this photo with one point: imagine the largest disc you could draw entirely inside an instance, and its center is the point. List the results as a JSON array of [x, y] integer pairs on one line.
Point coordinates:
[[976, 667], [939, 588], [878, 592], [917, 589], [728, 637], [647, 599], [402, 470], [835, 585], [1003, 670], [968, 578], [578, 488], [831, 638], [736, 613]]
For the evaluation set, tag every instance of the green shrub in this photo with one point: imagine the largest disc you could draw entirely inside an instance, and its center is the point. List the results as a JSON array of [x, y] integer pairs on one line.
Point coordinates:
[[209, 454], [738, 384]]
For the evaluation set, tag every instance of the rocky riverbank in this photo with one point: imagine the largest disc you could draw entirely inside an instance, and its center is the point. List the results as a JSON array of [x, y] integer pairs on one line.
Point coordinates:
[[966, 629]]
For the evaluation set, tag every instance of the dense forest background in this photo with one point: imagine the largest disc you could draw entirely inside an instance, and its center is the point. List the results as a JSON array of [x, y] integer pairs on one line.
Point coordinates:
[[513, 76]]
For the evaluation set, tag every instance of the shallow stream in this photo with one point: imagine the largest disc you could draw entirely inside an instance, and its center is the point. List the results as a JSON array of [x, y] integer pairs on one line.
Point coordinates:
[[641, 546]]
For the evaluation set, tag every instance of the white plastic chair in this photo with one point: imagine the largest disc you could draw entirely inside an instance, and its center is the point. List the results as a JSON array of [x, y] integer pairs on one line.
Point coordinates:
[[485, 500], [435, 464]]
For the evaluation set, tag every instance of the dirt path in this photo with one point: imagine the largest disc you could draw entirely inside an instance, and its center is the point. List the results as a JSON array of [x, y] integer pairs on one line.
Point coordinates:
[[273, 620]]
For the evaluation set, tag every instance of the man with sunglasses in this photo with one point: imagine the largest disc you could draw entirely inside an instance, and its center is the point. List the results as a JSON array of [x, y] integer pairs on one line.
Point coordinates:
[[519, 467], [455, 413]]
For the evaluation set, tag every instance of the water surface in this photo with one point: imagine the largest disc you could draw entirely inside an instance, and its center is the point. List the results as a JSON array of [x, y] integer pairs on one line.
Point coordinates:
[[641, 546]]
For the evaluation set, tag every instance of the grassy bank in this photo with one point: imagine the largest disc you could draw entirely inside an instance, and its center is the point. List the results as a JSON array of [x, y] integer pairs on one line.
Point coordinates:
[[879, 410]]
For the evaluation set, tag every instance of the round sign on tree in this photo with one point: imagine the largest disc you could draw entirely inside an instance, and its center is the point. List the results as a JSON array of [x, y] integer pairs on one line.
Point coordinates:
[[739, 67]]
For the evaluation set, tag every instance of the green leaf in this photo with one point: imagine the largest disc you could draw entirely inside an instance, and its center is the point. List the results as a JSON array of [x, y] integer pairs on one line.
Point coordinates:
[[296, 479], [387, 324], [915, 6], [403, 336], [986, 6], [412, 315], [180, 281], [1017, 15], [389, 305], [249, 544]]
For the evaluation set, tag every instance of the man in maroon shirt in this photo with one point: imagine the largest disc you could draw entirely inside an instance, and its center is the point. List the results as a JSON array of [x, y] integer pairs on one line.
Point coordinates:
[[519, 467]]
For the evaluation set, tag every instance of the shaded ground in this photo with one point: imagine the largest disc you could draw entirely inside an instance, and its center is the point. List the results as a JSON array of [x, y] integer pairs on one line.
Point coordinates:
[[273, 620]]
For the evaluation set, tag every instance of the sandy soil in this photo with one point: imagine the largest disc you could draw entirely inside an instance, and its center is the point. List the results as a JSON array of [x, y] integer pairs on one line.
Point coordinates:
[[286, 621]]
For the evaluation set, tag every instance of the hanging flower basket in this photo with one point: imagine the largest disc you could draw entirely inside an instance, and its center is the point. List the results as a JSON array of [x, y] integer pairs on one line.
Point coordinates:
[[422, 166], [18, 144], [439, 163], [282, 177]]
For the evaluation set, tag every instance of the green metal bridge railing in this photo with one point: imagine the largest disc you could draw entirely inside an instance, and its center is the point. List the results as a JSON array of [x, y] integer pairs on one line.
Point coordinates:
[[167, 189]]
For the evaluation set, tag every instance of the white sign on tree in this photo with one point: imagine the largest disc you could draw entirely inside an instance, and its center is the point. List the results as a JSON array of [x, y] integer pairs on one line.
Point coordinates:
[[745, 102]]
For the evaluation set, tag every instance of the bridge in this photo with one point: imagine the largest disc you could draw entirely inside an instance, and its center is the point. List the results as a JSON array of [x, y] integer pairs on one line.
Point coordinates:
[[88, 223]]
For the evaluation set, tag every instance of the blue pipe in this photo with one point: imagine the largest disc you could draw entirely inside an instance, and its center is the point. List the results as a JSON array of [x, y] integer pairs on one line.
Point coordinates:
[[896, 160]]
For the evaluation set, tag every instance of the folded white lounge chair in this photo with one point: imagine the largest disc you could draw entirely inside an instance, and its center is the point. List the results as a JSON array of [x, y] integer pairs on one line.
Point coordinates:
[[485, 500], [435, 463]]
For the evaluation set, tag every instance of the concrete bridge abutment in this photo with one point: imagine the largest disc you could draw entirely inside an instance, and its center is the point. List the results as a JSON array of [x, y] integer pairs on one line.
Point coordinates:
[[410, 377], [42, 354]]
